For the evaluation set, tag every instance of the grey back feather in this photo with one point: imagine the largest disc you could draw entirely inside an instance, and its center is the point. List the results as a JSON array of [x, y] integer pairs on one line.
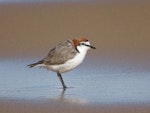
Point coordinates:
[[59, 54]]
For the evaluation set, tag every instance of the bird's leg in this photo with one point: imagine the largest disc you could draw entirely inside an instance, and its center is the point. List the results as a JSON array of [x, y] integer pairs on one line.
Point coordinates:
[[61, 80]]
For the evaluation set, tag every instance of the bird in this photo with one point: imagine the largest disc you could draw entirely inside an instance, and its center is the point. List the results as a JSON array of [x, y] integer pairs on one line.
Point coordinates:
[[65, 56]]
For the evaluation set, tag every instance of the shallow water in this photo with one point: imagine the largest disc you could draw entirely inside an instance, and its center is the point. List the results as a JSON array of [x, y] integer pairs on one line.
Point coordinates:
[[89, 83]]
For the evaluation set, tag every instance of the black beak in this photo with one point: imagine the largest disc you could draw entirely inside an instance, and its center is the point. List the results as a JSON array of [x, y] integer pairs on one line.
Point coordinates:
[[89, 46], [92, 47]]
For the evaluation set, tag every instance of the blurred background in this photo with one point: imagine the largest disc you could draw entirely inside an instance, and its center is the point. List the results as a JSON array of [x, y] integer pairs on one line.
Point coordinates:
[[119, 29]]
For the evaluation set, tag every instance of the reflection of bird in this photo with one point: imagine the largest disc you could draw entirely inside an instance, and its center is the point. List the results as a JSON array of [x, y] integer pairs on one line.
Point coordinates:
[[65, 98], [62, 96], [65, 57]]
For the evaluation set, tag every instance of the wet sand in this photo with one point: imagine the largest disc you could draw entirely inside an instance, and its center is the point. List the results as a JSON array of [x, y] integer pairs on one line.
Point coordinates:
[[16, 106], [119, 31]]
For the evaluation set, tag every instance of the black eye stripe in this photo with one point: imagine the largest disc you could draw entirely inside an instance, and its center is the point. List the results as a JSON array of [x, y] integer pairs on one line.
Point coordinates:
[[82, 44], [88, 45], [85, 44]]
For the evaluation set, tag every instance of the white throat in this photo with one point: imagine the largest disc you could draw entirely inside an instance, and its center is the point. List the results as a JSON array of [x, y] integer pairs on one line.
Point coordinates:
[[83, 49]]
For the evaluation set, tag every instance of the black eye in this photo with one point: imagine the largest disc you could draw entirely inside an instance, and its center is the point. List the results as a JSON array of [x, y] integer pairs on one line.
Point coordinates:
[[86, 40], [82, 44]]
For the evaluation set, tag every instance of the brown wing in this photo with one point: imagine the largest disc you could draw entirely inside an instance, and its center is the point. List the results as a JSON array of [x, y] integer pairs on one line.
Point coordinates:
[[60, 54]]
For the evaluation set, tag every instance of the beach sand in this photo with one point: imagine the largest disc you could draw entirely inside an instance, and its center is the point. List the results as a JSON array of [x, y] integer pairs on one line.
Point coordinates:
[[16, 106]]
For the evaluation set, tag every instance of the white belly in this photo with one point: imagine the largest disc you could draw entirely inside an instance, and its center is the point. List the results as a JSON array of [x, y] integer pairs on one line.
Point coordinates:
[[69, 65]]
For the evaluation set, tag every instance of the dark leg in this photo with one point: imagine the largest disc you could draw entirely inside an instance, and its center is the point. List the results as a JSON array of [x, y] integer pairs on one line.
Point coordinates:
[[61, 80]]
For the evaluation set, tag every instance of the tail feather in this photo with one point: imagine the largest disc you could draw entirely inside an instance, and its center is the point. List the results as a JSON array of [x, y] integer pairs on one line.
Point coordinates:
[[35, 64]]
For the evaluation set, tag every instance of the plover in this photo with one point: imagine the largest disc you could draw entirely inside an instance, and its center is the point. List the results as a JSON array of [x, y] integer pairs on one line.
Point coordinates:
[[65, 56]]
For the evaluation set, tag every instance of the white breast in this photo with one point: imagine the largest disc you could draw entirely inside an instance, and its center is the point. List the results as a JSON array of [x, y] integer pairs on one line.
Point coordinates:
[[72, 63]]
